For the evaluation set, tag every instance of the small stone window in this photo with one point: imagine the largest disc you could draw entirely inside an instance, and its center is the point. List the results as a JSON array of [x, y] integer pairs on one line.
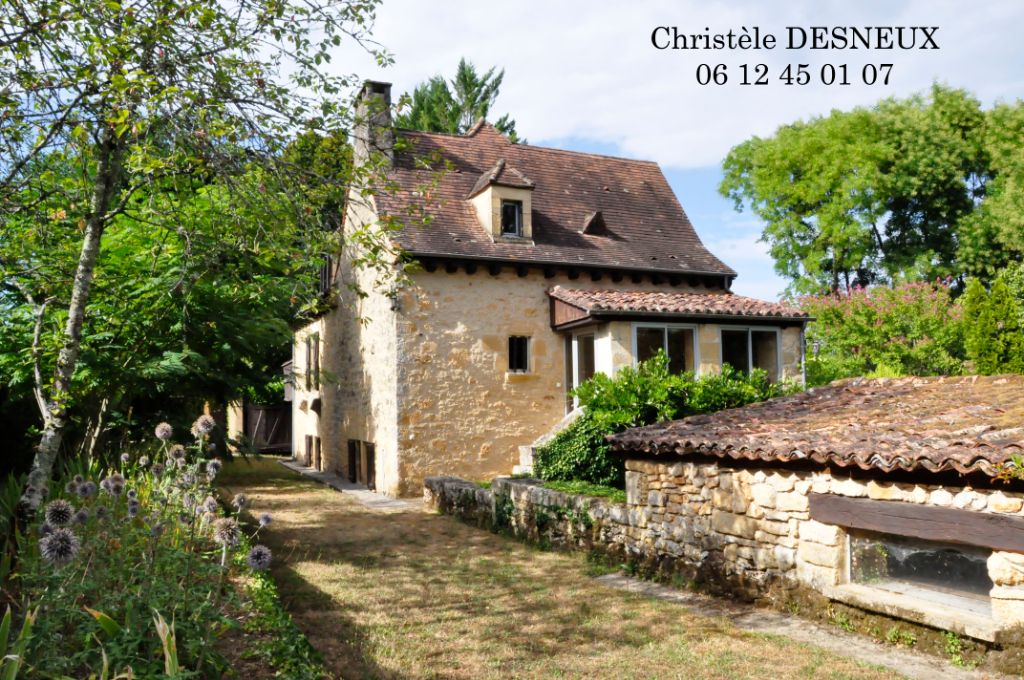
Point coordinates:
[[941, 573], [313, 362], [518, 354], [512, 218]]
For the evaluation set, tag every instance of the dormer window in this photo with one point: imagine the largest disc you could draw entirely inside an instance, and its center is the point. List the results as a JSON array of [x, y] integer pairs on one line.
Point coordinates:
[[512, 218]]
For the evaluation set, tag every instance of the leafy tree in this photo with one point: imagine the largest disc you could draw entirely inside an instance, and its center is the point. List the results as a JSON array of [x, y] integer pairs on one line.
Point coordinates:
[[871, 195], [909, 329], [440, 106], [171, 117], [994, 336]]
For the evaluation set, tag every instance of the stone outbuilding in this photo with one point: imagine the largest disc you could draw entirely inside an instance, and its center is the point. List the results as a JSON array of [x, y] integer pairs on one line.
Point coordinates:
[[536, 268], [895, 496]]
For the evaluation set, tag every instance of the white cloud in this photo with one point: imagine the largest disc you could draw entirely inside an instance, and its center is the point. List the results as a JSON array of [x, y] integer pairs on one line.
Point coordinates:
[[587, 69]]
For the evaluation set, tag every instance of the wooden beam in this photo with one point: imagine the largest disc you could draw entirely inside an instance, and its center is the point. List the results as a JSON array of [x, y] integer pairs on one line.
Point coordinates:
[[549, 272], [947, 525], [574, 274], [596, 275], [451, 267], [470, 267], [657, 279], [636, 277], [522, 270], [674, 280], [493, 269], [617, 277], [429, 265]]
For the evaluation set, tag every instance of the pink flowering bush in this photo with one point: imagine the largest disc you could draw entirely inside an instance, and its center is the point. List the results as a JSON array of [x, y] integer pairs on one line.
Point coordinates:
[[909, 329]]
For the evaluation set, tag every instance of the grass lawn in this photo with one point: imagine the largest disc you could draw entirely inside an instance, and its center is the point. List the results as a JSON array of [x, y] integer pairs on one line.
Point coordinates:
[[410, 594]]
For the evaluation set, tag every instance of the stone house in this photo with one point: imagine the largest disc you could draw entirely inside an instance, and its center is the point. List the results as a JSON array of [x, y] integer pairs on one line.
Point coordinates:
[[536, 268], [886, 495]]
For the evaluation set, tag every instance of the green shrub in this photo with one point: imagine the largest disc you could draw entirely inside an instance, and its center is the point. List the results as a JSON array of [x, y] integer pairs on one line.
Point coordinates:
[[994, 339], [638, 396]]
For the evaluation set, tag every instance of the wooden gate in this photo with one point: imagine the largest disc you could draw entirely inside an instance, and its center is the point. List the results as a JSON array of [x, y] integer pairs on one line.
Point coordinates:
[[269, 428]]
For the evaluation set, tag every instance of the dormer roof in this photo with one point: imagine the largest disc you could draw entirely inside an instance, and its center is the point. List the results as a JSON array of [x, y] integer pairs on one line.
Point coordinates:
[[645, 228], [503, 175]]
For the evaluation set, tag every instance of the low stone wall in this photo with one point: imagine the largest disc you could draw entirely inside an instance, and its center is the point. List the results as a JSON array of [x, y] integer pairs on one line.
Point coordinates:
[[742, 530]]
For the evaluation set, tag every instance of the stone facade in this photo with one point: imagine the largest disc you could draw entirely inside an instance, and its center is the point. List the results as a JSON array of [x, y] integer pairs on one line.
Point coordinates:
[[425, 379], [745, 530]]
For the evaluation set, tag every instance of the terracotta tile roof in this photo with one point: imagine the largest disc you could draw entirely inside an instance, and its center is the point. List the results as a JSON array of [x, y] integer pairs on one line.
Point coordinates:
[[645, 228], [674, 303], [966, 424]]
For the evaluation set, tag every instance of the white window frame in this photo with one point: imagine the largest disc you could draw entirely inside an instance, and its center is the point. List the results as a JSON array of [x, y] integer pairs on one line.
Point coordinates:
[[750, 345], [667, 326], [576, 362]]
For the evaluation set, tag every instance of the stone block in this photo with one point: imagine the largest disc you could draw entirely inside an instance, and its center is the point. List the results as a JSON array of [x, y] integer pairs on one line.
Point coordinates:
[[918, 494], [818, 554], [655, 498], [853, 488], [1000, 502], [970, 499], [940, 497], [634, 486], [1007, 611], [793, 501], [816, 577], [763, 495], [885, 491], [775, 528], [785, 558], [1006, 568], [817, 532], [782, 481], [732, 524]]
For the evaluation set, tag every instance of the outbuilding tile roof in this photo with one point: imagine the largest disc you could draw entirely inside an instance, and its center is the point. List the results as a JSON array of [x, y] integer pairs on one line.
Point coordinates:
[[966, 424], [674, 303], [645, 228]]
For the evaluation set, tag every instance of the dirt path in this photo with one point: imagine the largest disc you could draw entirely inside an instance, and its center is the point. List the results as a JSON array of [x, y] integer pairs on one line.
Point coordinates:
[[409, 594]]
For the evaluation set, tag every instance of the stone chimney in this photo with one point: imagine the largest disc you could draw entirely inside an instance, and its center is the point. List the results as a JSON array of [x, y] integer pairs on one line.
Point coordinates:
[[373, 133]]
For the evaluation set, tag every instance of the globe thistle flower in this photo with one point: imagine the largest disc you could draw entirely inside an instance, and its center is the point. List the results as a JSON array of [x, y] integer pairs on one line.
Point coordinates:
[[176, 452], [164, 431], [101, 513], [259, 557], [78, 479], [180, 462], [45, 529], [144, 461], [71, 487], [133, 507], [186, 480], [213, 467], [226, 532], [158, 469], [239, 501], [114, 484], [188, 501], [132, 493], [156, 530], [87, 489], [59, 512], [210, 504], [204, 425], [125, 457], [265, 519], [81, 516], [59, 546]]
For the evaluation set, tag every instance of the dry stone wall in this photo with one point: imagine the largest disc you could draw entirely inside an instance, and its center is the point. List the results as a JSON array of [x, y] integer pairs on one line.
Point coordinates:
[[747, 531]]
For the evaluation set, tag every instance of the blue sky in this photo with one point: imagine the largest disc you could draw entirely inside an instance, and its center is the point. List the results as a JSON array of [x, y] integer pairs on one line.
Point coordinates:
[[584, 76]]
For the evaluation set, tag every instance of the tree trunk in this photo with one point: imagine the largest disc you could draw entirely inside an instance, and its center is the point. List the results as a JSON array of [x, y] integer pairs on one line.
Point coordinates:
[[108, 178]]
